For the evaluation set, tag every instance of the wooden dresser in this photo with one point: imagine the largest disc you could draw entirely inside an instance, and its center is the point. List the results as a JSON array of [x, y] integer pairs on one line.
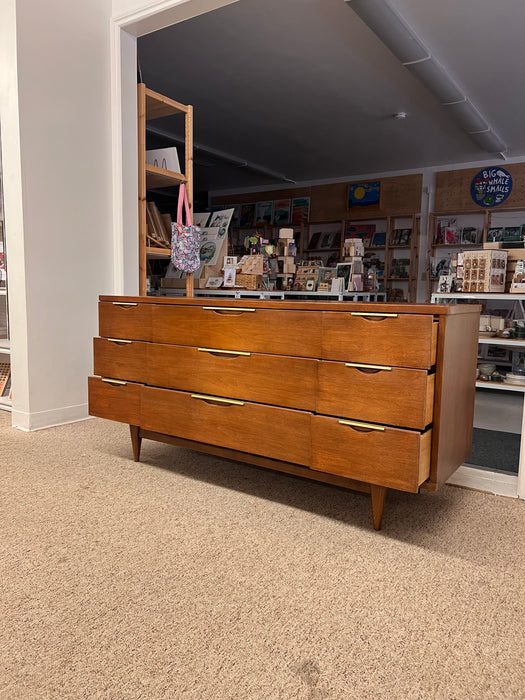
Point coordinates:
[[362, 395]]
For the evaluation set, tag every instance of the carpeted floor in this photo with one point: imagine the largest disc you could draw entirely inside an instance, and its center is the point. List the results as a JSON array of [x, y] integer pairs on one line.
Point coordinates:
[[190, 577]]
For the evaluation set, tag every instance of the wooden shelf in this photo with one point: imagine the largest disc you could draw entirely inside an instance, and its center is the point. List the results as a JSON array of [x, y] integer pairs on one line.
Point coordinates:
[[157, 252], [399, 279], [158, 105], [398, 247], [158, 177], [500, 385]]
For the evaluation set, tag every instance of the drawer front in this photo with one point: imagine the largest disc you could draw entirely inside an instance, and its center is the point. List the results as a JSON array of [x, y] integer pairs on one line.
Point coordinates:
[[115, 401], [129, 321], [120, 359], [392, 396], [278, 433], [277, 380], [391, 457], [401, 340], [270, 331]]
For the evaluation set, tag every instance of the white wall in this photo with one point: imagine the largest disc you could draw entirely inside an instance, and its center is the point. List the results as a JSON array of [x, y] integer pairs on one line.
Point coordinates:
[[59, 243]]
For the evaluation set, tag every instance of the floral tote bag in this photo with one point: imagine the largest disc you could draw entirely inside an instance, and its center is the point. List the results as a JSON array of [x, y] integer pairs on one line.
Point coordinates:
[[185, 238]]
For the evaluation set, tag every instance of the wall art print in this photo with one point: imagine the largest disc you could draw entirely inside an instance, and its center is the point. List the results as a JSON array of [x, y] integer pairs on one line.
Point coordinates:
[[364, 194]]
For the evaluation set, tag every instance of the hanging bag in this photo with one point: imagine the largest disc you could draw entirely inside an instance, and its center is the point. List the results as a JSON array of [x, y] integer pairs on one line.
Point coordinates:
[[185, 238]]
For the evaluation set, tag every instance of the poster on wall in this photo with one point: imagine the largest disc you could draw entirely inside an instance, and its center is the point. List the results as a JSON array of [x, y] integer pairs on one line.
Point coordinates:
[[281, 211], [490, 187], [300, 210], [364, 194], [247, 215], [263, 212]]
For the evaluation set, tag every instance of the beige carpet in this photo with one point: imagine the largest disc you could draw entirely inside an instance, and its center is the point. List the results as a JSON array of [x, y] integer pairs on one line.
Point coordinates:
[[187, 576]]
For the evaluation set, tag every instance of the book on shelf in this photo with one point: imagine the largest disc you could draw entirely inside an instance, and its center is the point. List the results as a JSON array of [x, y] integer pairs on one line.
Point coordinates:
[[401, 236]]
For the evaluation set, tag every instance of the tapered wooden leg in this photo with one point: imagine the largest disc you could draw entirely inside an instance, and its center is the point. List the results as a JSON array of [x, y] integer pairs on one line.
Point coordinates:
[[136, 441], [378, 494]]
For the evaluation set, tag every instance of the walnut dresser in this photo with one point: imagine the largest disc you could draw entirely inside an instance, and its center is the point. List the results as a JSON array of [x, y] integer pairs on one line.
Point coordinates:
[[369, 396]]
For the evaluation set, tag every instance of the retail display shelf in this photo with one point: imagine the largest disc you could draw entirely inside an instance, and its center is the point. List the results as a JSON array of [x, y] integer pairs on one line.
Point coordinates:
[[488, 296], [503, 341], [498, 386], [262, 294]]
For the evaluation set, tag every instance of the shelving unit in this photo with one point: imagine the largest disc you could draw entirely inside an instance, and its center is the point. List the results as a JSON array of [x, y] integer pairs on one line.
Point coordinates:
[[502, 483], [482, 219], [388, 253], [152, 105]]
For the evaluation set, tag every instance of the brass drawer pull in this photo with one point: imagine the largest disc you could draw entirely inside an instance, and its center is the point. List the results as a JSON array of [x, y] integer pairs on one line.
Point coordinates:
[[124, 304], [231, 402], [224, 352], [225, 308], [113, 381], [359, 366], [119, 340], [372, 313], [355, 424]]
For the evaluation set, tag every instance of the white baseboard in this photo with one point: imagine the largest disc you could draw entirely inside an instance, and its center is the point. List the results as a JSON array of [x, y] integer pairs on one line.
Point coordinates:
[[48, 419], [482, 480]]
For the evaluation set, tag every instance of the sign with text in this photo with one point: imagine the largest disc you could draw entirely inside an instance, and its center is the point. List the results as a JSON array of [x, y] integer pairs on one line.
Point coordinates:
[[491, 186]]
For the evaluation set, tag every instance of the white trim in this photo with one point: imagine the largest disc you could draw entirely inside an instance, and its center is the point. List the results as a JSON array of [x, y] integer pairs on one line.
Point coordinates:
[[481, 480], [116, 147], [48, 419]]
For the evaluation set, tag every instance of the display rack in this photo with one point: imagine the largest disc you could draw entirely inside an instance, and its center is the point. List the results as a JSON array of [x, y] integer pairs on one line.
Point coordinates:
[[481, 219], [504, 484], [152, 105]]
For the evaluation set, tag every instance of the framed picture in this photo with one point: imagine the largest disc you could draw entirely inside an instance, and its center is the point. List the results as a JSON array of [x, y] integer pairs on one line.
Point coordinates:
[[344, 271], [263, 213], [300, 210], [495, 234], [282, 211], [471, 235], [498, 354], [364, 194], [512, 233], [214, 282], [378, 239], [247, 215], [326, 240]]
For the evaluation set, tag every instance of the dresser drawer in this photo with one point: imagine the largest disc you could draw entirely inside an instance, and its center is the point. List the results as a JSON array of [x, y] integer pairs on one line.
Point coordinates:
[[380, 455], [131, 321], [271, 379], [269, 331], [401, 340], [278, 433], [380, 394], [114, 400], [120, 359]]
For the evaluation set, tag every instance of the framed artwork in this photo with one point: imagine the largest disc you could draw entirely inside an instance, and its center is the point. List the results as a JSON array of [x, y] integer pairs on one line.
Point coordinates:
[[263, 212], [247, 215], [364, 194], [300, 210], [378, 239], [344, 270], [282, 211]]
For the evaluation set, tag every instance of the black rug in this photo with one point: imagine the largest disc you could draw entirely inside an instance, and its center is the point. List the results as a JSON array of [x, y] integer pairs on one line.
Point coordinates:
[[495, 450]]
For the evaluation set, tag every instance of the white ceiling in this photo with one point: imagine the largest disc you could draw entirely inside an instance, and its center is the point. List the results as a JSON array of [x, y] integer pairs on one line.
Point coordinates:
[[305, 89]]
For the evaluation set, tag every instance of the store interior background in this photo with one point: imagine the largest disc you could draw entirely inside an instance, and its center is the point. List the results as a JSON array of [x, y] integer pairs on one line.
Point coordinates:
[[302, 88], [314, 100]]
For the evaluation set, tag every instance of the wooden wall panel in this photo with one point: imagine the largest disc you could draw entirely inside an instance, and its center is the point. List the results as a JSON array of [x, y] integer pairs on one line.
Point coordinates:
[[399, 195], [453, 189]]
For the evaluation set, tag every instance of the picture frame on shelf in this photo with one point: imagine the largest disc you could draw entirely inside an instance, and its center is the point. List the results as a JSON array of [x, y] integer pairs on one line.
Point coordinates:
[[326, 240], [378, 239], [470, 235], [495, 234], [344, 271], [512, 233], [313, 243]]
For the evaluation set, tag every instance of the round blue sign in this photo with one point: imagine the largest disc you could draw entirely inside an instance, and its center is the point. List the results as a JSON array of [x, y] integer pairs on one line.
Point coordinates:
[[491, 186]]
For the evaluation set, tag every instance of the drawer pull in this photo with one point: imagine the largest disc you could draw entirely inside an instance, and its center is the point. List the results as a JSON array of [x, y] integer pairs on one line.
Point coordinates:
[[230, 402], [118, 340], [114, 381], [359, 366], [124, 304], [355, 424], [372, 313], [218, 309], [224, 352]]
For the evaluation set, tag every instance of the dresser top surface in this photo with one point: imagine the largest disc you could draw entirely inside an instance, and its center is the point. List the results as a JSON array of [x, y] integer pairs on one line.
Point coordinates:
[[373, 307]]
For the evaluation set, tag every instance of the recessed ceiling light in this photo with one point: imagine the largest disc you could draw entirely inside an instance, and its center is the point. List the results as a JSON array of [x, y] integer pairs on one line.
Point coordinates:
[[400, 115]]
